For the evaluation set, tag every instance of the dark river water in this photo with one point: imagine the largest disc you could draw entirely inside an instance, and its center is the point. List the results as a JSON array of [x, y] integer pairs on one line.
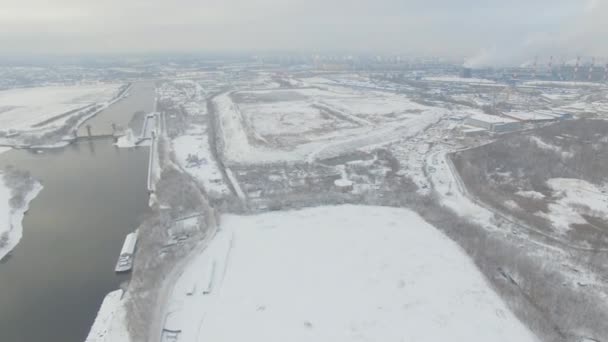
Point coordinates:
[[141, 98], [56, 278]]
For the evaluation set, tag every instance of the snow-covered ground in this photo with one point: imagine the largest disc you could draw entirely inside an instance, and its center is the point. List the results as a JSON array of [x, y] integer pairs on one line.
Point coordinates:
[[574, 198], [150, 126], [340, 273], [377, 137], [291, 117], [563, 84], [376, 104], [22, 108], [530, 116], [11, 228], [191, 147], [110, 323], [551, 147], [530, 194], [244, 144], [452, 192], [354, 105], [459, 80], [128, 140], [193, 153], [327, 118]]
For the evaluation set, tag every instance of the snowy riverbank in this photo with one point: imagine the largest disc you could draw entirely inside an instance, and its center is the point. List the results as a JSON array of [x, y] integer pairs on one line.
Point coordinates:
[[47, 117], [11, 228], [110, 324]]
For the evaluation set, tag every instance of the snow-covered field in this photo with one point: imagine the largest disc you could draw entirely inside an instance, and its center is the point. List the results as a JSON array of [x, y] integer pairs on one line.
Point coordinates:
[[376, 104], [574, 198], [22, 108], [340, 273], [357, 106], [459, 80], [194, 144], [288, 117], [287, 275], [316, 123], [237, 146], [563, 84], [11, 218], [530, 116]]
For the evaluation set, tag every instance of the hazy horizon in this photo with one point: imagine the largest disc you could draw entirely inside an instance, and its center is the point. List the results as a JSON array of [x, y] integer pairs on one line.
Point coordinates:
[[486, 33]]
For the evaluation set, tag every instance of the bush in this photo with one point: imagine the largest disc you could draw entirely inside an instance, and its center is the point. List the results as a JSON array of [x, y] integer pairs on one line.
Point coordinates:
[[21, 183]]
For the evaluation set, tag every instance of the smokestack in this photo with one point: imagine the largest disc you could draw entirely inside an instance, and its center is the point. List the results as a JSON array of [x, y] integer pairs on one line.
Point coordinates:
[[578, 61], [534, 67], [551, 63], [591, 68], [606, 72], [562, 68]]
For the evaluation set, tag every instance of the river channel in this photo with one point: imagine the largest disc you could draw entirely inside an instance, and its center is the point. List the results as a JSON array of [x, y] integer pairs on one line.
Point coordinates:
[[94, 193]]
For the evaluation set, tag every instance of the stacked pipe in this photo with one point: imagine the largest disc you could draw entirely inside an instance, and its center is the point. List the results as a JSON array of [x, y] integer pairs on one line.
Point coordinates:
[[562, 69], [578, 60]]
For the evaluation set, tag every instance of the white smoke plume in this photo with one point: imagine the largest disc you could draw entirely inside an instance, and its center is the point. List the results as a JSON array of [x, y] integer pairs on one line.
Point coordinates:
[[583, 35]]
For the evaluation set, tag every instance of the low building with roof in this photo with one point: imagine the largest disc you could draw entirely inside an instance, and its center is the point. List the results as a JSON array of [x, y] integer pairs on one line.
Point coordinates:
[[493, 123]]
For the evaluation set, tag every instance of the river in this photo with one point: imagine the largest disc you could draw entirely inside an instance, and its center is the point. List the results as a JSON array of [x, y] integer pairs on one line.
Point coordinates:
[[94, 194], [141, 98]]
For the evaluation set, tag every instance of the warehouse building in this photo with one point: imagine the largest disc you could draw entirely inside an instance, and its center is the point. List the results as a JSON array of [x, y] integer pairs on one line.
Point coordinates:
[[493, 123], [538, 116], [533, 116]]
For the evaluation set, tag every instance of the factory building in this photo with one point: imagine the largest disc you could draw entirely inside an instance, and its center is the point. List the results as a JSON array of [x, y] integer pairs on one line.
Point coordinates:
[[534, 116], [538, 116], [493, 123]]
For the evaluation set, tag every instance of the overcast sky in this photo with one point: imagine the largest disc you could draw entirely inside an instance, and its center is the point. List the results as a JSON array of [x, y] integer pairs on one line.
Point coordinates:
[[490, 29]]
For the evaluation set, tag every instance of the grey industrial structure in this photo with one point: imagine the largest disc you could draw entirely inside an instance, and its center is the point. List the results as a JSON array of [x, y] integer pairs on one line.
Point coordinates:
[[493, 123]]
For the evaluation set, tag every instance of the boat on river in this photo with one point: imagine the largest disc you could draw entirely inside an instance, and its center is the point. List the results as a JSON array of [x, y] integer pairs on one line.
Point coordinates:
[[127, 254]]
